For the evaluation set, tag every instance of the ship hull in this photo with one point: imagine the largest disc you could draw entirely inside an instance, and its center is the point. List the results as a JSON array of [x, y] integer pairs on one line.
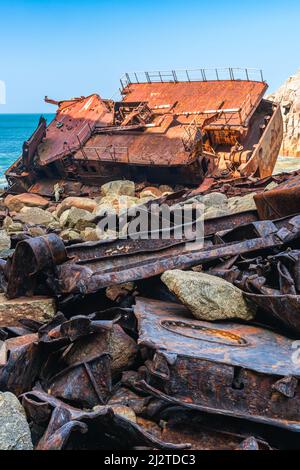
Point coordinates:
[[261, 164], [90, 143]]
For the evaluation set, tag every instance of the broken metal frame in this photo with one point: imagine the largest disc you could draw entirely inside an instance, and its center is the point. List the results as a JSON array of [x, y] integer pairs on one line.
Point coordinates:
[[88, 267]]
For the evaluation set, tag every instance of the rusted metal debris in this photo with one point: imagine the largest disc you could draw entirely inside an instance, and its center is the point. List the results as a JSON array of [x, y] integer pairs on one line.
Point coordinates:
[[271, 281], [45, 263], [75, 398], [231, 369], [66, 422], [136, 370], [100, 428], [280, 201]]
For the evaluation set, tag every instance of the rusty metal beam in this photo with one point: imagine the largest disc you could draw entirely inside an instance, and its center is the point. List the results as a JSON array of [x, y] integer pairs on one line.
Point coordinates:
[[85, 268]]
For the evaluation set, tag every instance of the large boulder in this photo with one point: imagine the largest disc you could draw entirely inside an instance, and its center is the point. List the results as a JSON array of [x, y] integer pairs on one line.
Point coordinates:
[[17, 202], [118, 188], [37, 308], [14, 429], [35, 216], [85, 203], [208, 297]]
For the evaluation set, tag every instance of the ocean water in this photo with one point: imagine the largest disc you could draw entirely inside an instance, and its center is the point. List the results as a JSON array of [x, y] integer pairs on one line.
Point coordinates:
[[14, 130]]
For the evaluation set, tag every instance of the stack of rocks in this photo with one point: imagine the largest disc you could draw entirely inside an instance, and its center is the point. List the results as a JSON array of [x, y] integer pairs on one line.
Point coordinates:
[[288, 95]]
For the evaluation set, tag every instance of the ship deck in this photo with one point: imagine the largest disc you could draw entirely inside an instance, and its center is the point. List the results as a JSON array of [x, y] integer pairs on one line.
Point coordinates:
[[177, 107], [193, 97]]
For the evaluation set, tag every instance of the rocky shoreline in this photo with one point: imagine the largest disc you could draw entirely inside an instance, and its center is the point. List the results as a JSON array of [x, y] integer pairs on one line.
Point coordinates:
[[74, 218], [288, 95]]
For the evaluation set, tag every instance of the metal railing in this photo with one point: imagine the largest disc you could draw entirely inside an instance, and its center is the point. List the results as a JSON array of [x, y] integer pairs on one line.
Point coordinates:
[[192, 75]]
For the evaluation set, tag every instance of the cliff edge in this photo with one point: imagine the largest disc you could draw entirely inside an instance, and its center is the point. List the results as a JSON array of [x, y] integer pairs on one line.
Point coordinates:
[[288, 95]]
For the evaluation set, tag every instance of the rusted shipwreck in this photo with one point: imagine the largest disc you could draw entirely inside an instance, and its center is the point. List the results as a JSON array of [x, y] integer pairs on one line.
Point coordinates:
[[168, 127]]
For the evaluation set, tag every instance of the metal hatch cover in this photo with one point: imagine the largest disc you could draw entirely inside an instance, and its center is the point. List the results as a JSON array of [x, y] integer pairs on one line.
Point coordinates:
[[227, 368], [171, 328]]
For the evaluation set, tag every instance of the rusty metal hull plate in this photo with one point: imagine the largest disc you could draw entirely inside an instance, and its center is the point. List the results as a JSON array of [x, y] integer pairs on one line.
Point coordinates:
[[284, 199], [200, 95]]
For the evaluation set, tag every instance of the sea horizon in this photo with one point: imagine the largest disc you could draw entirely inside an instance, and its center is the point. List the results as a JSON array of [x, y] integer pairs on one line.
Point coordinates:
[[37, 112]]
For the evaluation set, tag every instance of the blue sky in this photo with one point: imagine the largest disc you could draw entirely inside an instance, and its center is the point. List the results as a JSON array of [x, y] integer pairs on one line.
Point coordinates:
[[72, 48]]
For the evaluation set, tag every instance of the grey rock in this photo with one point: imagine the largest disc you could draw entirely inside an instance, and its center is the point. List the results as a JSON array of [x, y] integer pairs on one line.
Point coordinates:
[[14, 429], [70, 234], [241, 203], [89, 234], [79, 218], [215, 200], [208, 297], [35, 216], [4, 241]]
